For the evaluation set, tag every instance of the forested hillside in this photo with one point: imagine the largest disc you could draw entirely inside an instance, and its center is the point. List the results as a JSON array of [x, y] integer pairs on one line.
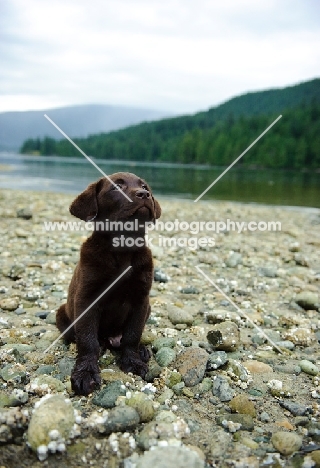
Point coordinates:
[[217, 136]]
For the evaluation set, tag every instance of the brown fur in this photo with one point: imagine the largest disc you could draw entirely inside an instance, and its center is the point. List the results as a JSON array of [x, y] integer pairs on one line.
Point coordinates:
[[118, 318]]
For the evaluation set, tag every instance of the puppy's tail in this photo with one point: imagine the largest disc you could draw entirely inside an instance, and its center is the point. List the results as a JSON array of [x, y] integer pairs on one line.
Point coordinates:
[[63, 322]]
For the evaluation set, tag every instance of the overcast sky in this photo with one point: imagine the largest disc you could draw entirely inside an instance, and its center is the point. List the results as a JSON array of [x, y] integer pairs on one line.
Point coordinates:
[[180, 56]]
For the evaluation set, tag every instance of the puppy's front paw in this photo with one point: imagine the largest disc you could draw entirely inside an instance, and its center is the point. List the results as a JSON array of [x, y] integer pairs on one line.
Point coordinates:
[[145, 353], [85, 379], [131, 362]]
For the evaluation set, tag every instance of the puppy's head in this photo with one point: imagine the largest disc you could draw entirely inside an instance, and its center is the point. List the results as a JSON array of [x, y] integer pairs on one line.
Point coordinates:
[[103, 200]]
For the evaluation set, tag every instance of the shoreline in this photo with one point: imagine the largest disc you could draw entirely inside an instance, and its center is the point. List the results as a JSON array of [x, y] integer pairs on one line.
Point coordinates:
[[170, 198]]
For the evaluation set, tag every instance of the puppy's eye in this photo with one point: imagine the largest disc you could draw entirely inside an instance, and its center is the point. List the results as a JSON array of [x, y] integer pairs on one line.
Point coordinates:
[[116, 186], [144, 187]]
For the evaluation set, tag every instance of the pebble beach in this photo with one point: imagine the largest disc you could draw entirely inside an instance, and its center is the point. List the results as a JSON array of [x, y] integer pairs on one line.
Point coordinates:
[[234, 378]]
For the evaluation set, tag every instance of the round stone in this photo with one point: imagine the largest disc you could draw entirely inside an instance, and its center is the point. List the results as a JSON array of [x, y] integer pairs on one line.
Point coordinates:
[[308, 367], [165, 356], [170, 457], [143, 405], [286, 442], [192, 363], [54, 413], [224, 336], [257, 367]]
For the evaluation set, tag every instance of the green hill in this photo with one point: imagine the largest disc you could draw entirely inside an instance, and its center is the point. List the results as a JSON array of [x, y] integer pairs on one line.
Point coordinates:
[[218, 135]]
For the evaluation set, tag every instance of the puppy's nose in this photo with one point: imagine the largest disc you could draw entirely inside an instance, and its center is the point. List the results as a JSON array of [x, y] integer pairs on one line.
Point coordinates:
[[142, 193]]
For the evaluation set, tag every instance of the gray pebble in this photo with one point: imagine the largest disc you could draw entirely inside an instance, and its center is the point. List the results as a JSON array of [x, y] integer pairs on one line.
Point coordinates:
[[268, 272], [264, 417], [142, 404], [66, 365], [107, 397], [245, 420], [9, 303], [161, 430], [286, 442], [224, 303], [224, 336], [186, 342], [219, 442], [16, 271], [164, 342], [14, 422], [165, 356], [160, 276], [154, 370], [307, 300], [51, 318], [4, 401], [258, 339], [204, 386], [222, 389], [170, 457], [301, 420], [21, 348], [121, 419], [42, 314], [62, 252], [295, 408], [45, 369], [178, 388], [234, 260], [301, 259], [314, 430], [308, 367], [177, 315], [167, 394], [52, 383], [189, 290], [11, 373], [238, 369], [5, 324], [16, 398], [285, 344], [216, 360], [24, 213], [20, 311], [289, 368], [55, 413], [192, 363]]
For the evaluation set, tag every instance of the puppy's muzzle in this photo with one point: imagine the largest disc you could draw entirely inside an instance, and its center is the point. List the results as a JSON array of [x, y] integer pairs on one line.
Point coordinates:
[[143, 194]]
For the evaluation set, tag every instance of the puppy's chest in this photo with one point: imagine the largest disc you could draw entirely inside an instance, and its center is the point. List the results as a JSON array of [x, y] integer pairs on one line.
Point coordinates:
[[130, 275], [128, 281]]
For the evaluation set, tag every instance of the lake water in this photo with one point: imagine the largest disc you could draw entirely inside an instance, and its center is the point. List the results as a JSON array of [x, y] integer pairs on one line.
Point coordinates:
[[58, 174]]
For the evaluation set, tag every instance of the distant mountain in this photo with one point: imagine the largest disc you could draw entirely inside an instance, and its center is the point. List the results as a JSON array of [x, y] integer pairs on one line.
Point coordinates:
[[218, 135], [76, 121]]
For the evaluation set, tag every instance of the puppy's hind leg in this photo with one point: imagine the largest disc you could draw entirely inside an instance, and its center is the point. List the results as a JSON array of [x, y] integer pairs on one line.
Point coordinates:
[[144, 352], [63, 322]]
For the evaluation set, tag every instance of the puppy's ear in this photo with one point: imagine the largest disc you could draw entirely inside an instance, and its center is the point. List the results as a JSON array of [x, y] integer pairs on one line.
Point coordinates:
[[85, 206], [157, 209]]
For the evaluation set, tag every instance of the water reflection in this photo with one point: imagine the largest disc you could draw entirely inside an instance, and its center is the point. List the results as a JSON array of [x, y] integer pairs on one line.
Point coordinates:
[[73, 174]]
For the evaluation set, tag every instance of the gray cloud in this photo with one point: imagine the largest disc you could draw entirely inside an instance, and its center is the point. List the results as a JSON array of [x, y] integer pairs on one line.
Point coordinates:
[[176, 55]]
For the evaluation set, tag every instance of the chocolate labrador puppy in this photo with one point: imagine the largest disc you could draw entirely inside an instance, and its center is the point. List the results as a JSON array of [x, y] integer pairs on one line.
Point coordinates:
[[117, 319]]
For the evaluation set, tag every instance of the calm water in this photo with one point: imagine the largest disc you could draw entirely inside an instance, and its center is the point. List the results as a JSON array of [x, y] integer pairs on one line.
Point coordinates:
[[74, 174]]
